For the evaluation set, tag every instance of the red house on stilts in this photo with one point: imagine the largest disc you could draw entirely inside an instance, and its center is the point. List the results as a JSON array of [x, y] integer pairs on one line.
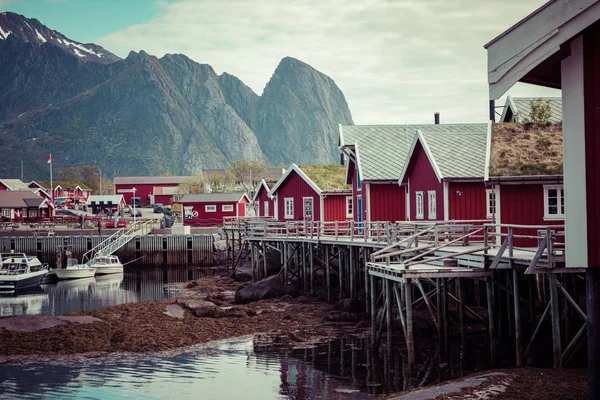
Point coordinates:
[[209, 209], [262, 202]]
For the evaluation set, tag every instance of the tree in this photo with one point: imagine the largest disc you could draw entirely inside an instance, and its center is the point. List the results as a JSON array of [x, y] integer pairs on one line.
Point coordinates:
[[192, 185], [248, 173], [70, 174], [221, 182], [540, 112]]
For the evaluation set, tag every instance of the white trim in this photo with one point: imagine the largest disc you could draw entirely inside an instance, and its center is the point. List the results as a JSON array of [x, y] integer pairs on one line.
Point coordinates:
[[431, 201], [367, 199], [210, 208], [446, 187], [488, 152], [509, 104], [312, 207], [436, 169], [420, 138], [359, 175], [226, 205], [489, 212], [421, 215], [257, 190], [285, 210], [359, 213], [302, 175], [350, 199], [407, 205], [275, 208], [265, 208], [560, 203]]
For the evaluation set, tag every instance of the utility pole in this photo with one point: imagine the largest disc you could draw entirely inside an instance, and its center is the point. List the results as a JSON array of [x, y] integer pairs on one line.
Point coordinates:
[[100, 178]]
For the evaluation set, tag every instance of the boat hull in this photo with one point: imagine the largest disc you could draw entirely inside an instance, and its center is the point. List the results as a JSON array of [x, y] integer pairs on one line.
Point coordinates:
[[109, 269], [16, 282], [75, 273]]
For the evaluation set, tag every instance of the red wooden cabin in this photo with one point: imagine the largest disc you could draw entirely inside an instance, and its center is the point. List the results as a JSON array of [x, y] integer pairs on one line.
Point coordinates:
[[150, 189], [262, 201], [23, 205], [209, 209], [312, 193], [444, 176]]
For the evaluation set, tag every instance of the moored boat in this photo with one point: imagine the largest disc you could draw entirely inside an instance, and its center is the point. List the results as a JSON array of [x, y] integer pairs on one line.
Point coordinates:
[[75, 271], [106, 265], [18, 271]]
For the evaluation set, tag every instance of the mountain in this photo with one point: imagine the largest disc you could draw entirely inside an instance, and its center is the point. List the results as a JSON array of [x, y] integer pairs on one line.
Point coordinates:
[[145, 115]]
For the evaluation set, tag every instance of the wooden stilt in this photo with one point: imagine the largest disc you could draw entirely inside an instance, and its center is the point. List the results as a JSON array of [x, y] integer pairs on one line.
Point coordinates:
[[373, 306], [366, 273], [351, 269], [227, 250], [264, 251], [388, 303], [592, 289], [554, 308], [312, 267], [253, 261], [409, 324], [518, 329], [400, 303], [285, 262], [461, 320], [444, 304], [328, 273], [491, 323], [341, 272]]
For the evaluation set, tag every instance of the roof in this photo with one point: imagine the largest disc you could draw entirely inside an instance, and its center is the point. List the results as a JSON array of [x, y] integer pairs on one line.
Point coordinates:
[[327, 177], [453, 156], [62, 184], [112, 198], [520, 109], [296, 169], [382, 150], [213, 197], [14, 184], [261, 185], [19, 199], [149, 180], [520, 150], [530, 51]]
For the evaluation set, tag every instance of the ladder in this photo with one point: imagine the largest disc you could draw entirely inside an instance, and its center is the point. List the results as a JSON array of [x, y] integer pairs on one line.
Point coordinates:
[[117, 240]]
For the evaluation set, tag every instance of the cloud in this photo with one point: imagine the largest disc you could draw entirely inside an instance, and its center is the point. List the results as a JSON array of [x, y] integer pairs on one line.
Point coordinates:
[[395, 60]]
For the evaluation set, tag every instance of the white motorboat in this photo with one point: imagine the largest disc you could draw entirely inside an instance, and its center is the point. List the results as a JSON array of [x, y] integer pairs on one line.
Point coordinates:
[[18, 271], [106, 265], [74, 270]]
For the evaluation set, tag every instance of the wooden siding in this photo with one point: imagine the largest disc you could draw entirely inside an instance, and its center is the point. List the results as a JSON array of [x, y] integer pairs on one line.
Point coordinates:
[[388, 202], [353, 180], [467, 201], [143, 191], [204, 218], [524, 205], [297, 188], [335, 207], [423, 179], [261, 198]]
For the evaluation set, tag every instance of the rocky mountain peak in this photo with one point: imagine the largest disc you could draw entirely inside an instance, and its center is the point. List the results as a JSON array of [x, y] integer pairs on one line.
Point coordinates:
[[31, 30]]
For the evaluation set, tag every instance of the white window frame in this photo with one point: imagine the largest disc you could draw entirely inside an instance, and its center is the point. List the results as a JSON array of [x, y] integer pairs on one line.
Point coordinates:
[[266, 208], [349, 207], [6, 212], [210, 208], [312, 208], [227, 208], [288, 207], [491, 203], [432, 204], [188, 212], [358, 181], [419, 205], [560, 206], [33, 213]]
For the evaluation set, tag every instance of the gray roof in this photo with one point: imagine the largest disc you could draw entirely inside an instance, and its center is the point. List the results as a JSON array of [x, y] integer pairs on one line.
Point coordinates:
[[97, 198], [14, 184], [215, 197], [141, 180], [459, 155], [34, 202], [383, 149], [518, 109]]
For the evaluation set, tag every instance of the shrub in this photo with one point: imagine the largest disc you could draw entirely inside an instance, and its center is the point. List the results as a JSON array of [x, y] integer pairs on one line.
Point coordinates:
[[540, 112]]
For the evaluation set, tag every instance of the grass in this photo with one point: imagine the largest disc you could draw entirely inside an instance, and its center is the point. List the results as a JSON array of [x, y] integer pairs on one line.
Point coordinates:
[[526, 150], [327, 177]]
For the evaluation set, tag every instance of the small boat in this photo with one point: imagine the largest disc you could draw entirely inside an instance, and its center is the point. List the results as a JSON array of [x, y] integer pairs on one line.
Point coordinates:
[[17, 271], [73, 270], [106, 265], [82, 284]]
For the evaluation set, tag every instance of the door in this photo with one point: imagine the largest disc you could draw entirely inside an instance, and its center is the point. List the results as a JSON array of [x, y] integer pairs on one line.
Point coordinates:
[[359, 211], [308, 208]]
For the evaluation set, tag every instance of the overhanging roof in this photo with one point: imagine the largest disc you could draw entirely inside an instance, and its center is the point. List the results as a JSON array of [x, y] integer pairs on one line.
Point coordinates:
[[214, 197], [302, 175]]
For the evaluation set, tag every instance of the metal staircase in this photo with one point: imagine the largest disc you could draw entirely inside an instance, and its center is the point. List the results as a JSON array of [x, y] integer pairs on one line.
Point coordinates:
[[117, 240]]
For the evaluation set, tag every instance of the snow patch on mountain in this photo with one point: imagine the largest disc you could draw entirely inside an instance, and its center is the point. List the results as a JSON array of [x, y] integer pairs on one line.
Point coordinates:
[[39, 35], [4, 34]]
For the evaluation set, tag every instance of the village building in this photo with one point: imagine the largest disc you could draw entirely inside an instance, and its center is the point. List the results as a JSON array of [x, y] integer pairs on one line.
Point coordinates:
[[263, 204], [24, 205], [375, 156], [106, 203], [64, 192], [518, 109], [312, 193], [13, 185], [444, 176], [209, 209]]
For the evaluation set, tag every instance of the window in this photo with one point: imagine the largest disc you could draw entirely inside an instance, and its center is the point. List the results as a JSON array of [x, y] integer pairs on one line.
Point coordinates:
[[554, 202], [227, 207], [431, 204], [188, 212], [288, 207], [419, 204], [490, 201], [349, 210], [33, 213], [266, 208], [210, 208], [6, 212]]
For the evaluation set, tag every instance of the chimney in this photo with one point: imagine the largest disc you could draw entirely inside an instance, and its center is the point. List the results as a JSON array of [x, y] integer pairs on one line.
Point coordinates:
[[436, 118], [493, 110]]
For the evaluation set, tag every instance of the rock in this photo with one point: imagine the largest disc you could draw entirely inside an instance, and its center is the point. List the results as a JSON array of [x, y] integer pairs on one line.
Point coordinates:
[[191, 284], [265, 289], [220, 245], [192, 304], [175, 311], [350, 305], [234, 313], [207, 312]]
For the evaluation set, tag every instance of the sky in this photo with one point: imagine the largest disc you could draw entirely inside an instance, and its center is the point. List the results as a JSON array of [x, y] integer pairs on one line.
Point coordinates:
[[396, 61]]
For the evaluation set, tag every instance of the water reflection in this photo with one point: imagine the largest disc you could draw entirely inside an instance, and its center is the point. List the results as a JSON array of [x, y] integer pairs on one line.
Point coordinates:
[[135, 285]]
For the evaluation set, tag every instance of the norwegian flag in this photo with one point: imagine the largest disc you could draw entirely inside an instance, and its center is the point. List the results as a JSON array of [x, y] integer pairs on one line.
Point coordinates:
[[49, 158]]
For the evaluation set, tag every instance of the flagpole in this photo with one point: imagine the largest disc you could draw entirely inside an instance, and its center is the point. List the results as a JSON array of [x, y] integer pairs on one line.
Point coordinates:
[[51, 189]]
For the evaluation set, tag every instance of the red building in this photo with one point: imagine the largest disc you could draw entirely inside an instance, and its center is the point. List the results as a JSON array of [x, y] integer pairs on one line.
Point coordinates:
[[23, 205], [444, 176], [376, 155], [262, 201], [312, 192], [64, 192], [150, 189], [209, 209]]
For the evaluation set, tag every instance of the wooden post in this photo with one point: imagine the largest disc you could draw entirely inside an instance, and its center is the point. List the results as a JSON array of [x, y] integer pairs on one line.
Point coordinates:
[[227, 250], [253, 261], [285, 262], [461, 320], [264, 249], [366, 272], [491, 323], [340, 273], [373, 308], [327, 273], [592, 289], [518, 339], [351, 269], [388, 302], [554, 308], [444, 301], [409, 324], [303, 261], [312, 270]]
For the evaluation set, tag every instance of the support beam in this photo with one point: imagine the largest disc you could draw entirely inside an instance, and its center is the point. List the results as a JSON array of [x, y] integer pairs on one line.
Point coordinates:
[[491, 322], [592, 290], [388, 310], [312, 268], [518, 330], [409, 325], [554, 308], [461, 321], [327, 273], [373, 306]]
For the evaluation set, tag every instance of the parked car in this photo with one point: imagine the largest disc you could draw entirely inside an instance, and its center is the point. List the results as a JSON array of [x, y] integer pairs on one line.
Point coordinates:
[[138, 212], [121, 223], [110, 223], [158, 208], [137, 201]]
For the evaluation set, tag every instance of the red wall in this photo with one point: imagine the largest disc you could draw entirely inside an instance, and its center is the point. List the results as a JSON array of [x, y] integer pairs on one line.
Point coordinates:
[[143, 191], [261, 198], [388, 202], [2, 187], [524, 205], [213, 218], [422, 179], [297, 188], [164, 199], [335, 207], [470, 204]]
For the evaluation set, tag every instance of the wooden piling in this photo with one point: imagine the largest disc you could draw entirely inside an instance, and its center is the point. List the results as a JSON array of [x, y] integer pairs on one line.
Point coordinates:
[[264, 252], [373, 307], [554, 308], [328, 273], [351, 269], [592, 290], [388, 302], [312, 270], [340, 273], [460, 288], [491, 323], [409, 324], [518, 329]]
